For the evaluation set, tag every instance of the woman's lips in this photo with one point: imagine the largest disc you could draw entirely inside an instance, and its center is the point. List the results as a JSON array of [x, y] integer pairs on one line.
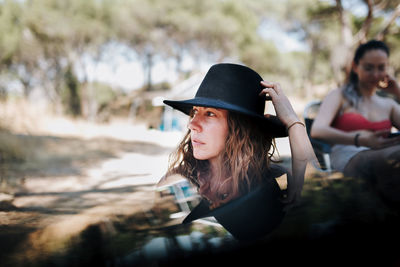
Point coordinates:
[[197, 142]]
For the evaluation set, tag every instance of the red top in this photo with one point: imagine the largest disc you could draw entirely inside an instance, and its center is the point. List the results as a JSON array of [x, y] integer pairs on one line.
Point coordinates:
[[354, 121]]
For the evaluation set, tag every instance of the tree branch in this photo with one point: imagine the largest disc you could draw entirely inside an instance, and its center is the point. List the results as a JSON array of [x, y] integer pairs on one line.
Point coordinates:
[[345, 24], [361, 35], [389, 22]]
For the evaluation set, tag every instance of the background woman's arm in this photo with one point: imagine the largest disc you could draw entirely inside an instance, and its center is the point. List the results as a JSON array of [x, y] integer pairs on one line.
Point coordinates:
[[322, 128]]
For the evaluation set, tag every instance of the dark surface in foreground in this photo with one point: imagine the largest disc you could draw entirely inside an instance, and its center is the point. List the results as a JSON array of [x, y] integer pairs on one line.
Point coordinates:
[[339, 222], [344, 245]]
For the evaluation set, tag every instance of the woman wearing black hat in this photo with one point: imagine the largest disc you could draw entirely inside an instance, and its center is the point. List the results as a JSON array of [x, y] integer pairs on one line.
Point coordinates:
[[228, 148]]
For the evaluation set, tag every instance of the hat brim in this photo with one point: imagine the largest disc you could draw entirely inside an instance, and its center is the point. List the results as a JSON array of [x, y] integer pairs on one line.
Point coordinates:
[[277, 128], [264, 192], [248, 217]]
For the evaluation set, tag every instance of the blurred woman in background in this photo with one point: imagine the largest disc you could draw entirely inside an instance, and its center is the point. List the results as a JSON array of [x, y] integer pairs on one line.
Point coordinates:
[[358, 122]]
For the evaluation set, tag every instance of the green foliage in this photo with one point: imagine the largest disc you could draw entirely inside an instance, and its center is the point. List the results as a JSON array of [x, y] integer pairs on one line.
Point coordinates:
[[10, 30], [41, 39]]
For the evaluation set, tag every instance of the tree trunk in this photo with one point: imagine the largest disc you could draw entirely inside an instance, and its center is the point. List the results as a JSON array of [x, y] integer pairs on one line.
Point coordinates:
[[307, 85], [148, 68], [74, 100], [3, 94], [341, 53]]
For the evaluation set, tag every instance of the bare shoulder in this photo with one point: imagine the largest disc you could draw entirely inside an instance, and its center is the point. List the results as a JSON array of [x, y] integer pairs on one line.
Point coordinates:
[[333, 100], [386, 107], [330, 106], [335, 93], [385, 101]]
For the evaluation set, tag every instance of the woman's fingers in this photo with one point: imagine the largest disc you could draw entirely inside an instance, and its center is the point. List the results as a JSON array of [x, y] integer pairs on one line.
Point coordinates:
[[283, 108], [390, 141], [271, 84], [272, 90], [275, 86], [382, 133], [269, 93], [291, 200], [382, 139]]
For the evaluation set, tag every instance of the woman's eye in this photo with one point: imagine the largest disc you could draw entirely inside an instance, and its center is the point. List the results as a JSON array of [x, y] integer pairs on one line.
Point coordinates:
[[210, 114], [193, 112]]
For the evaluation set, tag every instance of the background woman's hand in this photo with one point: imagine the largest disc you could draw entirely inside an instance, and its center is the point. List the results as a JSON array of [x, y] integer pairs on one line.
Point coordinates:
[[390, 85], [283, 108], [378, 139]]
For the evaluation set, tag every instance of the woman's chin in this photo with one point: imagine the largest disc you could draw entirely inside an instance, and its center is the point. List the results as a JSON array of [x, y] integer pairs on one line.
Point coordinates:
[[199, 156]]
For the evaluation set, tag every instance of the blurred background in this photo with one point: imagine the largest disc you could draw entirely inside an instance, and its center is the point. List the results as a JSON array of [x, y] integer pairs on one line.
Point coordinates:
[[84, 136]]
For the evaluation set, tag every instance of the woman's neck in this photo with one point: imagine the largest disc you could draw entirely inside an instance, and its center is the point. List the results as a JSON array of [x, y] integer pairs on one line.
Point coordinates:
[[366, 91], [216, 169]]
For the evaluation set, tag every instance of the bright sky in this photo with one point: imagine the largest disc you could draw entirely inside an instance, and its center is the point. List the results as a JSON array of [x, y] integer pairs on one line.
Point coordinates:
[[285, 42], [120, 67]]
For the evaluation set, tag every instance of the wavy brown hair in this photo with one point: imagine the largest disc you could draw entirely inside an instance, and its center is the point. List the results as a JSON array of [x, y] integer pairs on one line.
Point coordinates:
[[247, 155]]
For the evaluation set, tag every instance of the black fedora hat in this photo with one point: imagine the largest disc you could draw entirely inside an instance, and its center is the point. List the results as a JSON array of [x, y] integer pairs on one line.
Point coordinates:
[[235, 88], [251, 216]]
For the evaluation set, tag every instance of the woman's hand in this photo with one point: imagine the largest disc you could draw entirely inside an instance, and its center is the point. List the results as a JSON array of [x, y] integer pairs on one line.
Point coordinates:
[[283, 108], [293, 192], [377, 139], [390, 85]]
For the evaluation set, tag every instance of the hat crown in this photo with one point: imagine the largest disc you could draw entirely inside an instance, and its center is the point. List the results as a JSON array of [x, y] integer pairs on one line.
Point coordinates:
[[235, 88], [234, 84]]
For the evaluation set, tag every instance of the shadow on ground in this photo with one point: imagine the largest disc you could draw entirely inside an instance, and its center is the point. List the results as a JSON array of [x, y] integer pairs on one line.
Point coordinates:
[[27, 156]]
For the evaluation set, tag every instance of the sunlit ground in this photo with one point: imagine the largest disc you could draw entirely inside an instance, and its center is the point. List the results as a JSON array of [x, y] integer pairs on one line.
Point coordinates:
[[79, 193]]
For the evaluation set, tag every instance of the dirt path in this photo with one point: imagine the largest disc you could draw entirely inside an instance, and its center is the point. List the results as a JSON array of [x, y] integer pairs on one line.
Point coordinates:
[[76, 182]]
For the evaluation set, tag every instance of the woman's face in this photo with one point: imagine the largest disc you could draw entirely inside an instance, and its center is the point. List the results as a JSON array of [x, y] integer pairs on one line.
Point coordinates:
[[208, 132], [371, 68]]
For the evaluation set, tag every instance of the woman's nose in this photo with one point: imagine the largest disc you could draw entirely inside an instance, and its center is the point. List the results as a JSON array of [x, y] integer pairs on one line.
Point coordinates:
[[195, 124], [376, 74]]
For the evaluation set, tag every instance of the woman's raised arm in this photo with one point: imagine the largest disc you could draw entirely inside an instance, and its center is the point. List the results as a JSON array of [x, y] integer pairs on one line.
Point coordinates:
[[300, 146]]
